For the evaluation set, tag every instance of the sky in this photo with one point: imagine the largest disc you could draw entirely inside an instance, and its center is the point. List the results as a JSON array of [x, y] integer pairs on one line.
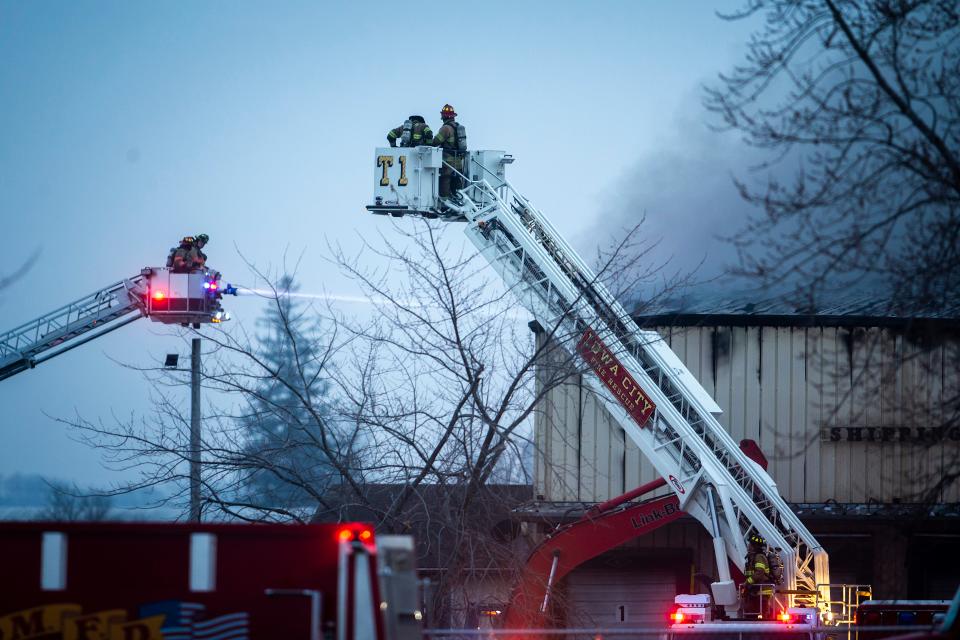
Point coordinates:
[[126, 125]]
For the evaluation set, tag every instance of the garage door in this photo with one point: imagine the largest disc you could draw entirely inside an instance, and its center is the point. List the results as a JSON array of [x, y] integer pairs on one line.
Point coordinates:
[[610, 596]]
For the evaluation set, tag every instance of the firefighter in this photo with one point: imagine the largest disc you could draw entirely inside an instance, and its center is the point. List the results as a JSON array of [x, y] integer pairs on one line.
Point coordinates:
[[179, 259], [197, 259], [776, 565], [452, 138], [759, 593], [412, 133]]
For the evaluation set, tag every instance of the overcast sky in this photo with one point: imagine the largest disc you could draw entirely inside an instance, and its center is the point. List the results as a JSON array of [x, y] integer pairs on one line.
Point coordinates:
[[125, 125]]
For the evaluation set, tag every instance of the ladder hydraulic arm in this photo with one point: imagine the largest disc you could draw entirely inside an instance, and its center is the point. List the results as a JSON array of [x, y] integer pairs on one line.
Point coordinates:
[[642, 383], [163, 295], [71, 325]]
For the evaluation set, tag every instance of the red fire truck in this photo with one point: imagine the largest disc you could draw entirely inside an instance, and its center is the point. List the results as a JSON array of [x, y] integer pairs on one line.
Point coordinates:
[[123, 581]]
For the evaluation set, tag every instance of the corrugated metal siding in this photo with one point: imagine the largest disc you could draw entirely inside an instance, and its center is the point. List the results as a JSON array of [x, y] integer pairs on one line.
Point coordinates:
[[779, 386]]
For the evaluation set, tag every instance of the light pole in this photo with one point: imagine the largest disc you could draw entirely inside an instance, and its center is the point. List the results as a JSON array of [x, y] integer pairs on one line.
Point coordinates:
[[195, 432], [194, 453]]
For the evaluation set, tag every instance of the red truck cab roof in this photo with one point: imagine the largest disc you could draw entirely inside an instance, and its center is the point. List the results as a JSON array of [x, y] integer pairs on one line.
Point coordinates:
[[152, 580]]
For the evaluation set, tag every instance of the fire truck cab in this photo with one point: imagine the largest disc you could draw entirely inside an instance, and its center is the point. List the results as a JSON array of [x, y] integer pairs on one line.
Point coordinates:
[[155, 581]]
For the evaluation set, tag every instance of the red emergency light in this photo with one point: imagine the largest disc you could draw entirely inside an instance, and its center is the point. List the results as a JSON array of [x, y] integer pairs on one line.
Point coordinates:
[[677, 617], [348, 533], [159, 295], [785, 617]]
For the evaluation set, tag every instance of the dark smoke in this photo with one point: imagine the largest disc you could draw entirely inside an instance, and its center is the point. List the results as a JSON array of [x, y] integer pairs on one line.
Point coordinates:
[[686, 191]]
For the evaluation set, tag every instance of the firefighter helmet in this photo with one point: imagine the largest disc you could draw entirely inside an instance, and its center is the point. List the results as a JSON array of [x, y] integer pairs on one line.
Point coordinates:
[[203, 238], [756, 538], [447, 112]]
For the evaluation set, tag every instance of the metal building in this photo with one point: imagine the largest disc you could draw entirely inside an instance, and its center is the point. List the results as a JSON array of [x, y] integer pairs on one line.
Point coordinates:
[[857, 411]]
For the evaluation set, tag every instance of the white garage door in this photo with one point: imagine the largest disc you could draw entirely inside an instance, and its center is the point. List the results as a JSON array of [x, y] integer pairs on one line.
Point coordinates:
[[612, 597]]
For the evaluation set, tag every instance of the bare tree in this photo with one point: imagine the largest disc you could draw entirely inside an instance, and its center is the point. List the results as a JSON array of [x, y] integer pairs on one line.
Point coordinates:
[[65, 503], [271, 447], [415, 413], [858, 106]]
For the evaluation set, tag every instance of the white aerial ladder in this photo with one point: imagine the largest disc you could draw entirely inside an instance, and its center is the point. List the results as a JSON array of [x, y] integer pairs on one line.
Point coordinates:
[[156, 292], [642, 383]]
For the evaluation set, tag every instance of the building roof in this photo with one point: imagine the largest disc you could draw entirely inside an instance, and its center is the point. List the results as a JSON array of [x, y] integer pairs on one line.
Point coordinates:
[[761, 308], [564, 512]]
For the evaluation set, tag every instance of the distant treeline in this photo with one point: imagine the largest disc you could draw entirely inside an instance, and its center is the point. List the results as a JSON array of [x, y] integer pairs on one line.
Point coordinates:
[[34, 490]]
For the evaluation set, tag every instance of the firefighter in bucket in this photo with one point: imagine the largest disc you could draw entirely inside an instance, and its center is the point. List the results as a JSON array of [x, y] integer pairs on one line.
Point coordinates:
[[763, 569]]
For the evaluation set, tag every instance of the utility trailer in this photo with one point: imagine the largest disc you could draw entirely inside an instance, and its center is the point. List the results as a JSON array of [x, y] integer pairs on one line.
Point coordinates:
[[123, 581], [885, 618]]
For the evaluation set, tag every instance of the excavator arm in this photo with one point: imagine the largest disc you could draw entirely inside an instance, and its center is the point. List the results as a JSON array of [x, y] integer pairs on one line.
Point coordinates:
[[573, 544], [604, 527]]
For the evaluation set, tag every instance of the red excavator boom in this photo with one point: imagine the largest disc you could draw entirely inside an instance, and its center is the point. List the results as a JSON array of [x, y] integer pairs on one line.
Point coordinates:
[[603, 527]]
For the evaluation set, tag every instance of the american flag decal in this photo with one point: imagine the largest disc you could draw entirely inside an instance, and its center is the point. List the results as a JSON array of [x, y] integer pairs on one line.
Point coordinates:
[[185, 621]]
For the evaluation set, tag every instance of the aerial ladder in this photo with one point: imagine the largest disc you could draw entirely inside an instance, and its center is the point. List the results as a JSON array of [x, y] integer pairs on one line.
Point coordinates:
[[157, 293], [640, 380]]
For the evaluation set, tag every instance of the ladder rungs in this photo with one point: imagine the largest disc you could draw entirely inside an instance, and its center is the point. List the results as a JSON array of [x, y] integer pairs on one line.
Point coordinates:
[[522, 227]]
